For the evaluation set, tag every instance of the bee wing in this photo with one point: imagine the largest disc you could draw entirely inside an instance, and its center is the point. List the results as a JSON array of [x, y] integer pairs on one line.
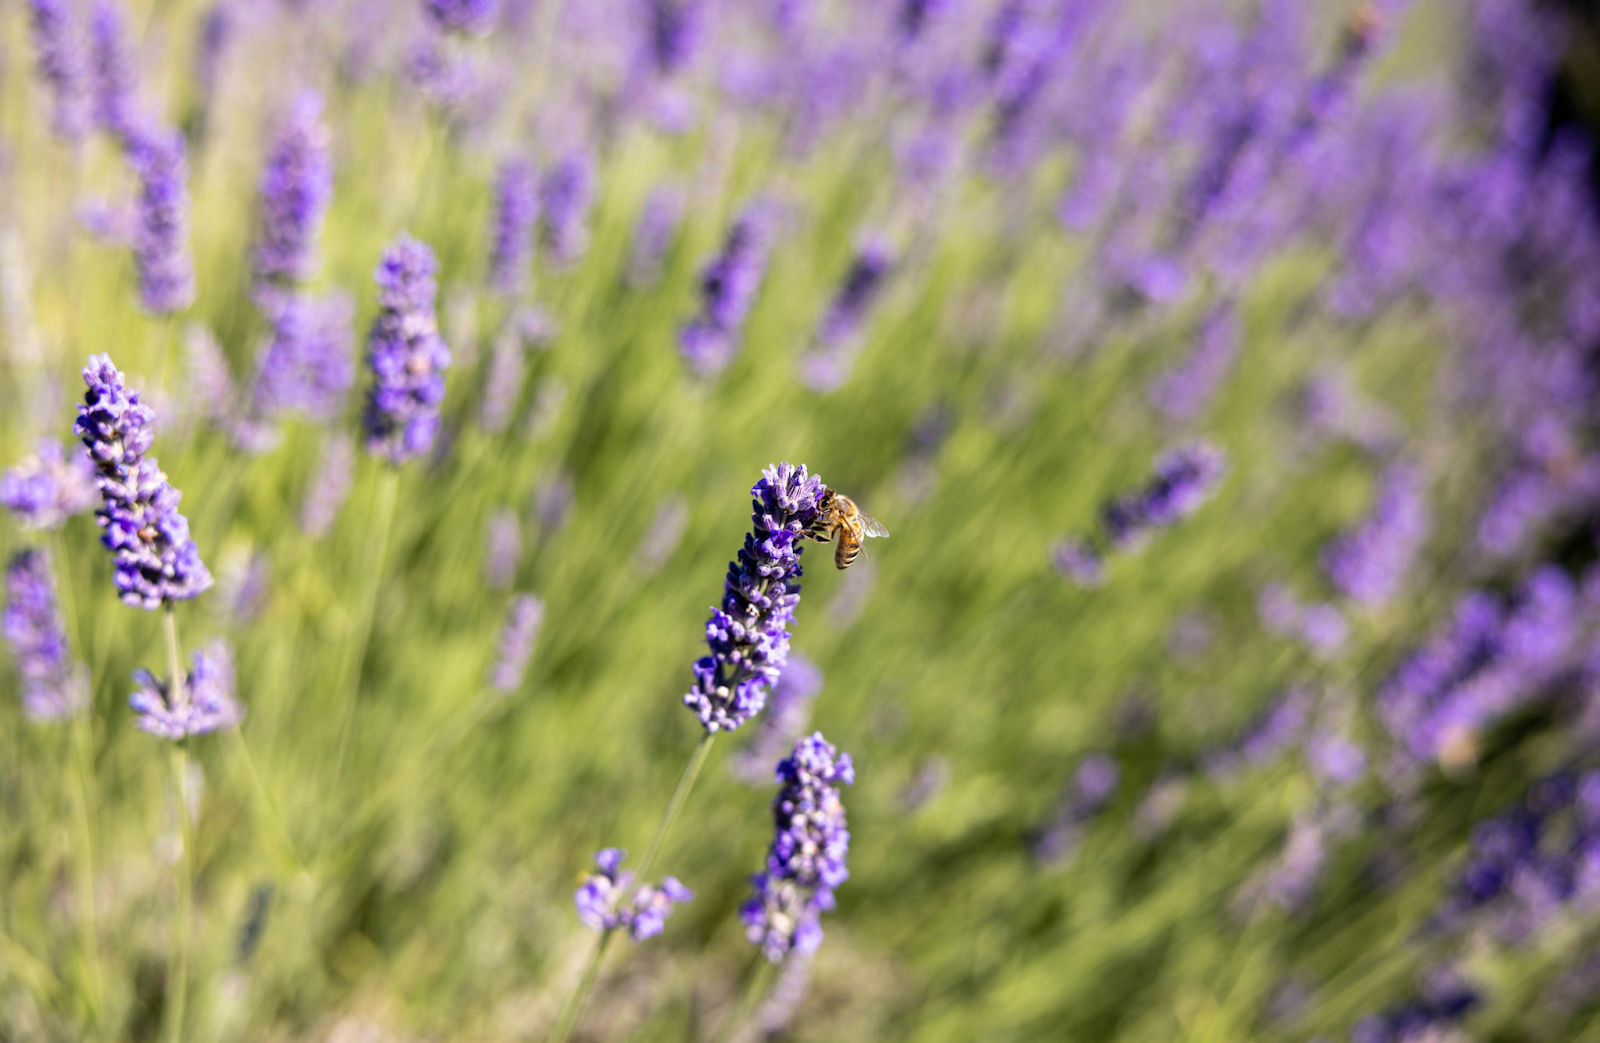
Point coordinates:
[[872, 526]]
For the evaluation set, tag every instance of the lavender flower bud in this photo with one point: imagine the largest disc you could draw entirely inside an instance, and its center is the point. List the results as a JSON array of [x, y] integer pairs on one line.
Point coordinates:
[[599, 898], [568, 195], [161, 250], [48, 487], [63, 66], [114, 70], [407, 356], [749, 634], [156, 561], [655, 233], [467, 17], [53, 686], [523, 621], [206, 702], [309, 365], [728, 286], [296, 186], [789, 710], [673, 30], [806, 861], [1369, 563], [516, 212], [329, 486], [1185, 478], [505, 549]]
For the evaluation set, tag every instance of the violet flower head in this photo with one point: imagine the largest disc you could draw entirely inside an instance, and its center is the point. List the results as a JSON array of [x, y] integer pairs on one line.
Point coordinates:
[[728, 287], [54, 687], [1076, 559], [161, 248], [1093, 786], [63, 66], [467, 17], [827, 365], [516, 212], [407, 356], [748, 635], [655, 233], [205, 703], [309, 365], [504, 549], [568, 194], [114, 70], [48, 487], [599, 899], [156, 561], [1369, 563], [806, 861], [1185, 478], [788, 712], [296, 186], [673, 32], [329, 486], [1445, 1002], [521, 632]]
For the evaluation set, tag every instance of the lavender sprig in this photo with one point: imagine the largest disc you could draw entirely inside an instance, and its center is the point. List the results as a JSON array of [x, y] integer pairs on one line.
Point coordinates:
[[599, 899], [1185, 478], [54, 687], [407, 356], [568, 193], [114, 71], [467, 17], [806, 861], [516, 212], [309, 365], [296, 186], [749, 634], [523, 621], [63, 66], [203, 703], [728, 286], [329, 486], [156, 561], [161, 247], [48, 487]]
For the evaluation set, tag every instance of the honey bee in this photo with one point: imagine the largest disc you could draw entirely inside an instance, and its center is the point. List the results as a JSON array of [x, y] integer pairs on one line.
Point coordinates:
[[838, 516]]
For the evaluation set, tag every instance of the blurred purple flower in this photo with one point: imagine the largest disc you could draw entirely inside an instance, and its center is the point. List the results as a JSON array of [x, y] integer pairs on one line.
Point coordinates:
[[63, 66], [1369, 563], [568, 194], [523, 621], [54, 687], [161, 248], [49, 486], [599, 898], [516, 212], [329, 485], [204, 703], [295, 188], [407, 356], [728, 287]]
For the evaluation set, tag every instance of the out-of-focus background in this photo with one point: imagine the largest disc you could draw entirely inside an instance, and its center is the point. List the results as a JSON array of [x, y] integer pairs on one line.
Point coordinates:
[[1225, 373]]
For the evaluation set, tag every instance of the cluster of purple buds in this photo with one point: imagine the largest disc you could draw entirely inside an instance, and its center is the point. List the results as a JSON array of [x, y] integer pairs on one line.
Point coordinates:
[[467, 17], [521, 632], [516, 213], [1185, 478], [407, 356], [728, 286], [1184, 392], [600, 899], [309, 364], [296, 186], [788, 713], [63, 66], [673, 31], [161, 245], [1369, 563], [1445, 1002], [1076, 559], [53, 686], [827, 365], [568, 194], [203, 703], [156, 560], [1279, 725], [1092, 788], [748, 634], [1320, 626], [655, 233], [114, 71], [48, 487], [806, 861]]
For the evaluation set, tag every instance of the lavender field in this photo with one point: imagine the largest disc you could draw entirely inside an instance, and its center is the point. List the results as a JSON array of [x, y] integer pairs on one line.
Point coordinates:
[[390, 388]]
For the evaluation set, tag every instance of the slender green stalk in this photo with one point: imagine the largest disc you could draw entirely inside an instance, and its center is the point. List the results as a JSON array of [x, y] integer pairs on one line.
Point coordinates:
[[264, 805], [178, 965], [573, 1007], [356, 645], [756, 982]]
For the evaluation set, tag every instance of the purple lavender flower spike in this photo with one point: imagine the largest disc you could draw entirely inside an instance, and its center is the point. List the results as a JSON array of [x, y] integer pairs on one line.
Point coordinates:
[[329, 486], [568, 194], [655, 233], [504, 549], [1075, 559], [599, 899], [516, 212], [296, 186], [1445, 1001], [806, 861], [467, 17], [1093, 786], [205, 704], [48, 487], [1369, 563], [1185, 478], [827, 365], [523, 621], [502, 384], [309, 365], [663, 536], [114, 71], [161, 249], [407, 356], [749, 634], [54, 687], [156, 561], [788, 712], [1184, 392], [728, 286], [63, 66], [673, 30]]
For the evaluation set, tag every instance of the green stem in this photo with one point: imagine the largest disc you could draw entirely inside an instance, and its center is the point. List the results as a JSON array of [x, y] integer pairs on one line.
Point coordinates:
[[264, 805], [356, 650], [178, 967], [574, 1003], [756, 981]]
